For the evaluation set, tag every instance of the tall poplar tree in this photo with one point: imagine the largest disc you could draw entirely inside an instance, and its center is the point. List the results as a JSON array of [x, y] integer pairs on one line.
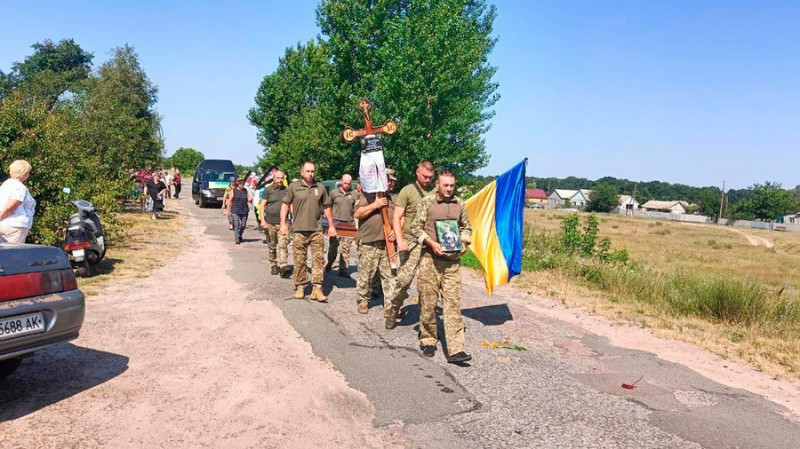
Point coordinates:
[[423, 63]]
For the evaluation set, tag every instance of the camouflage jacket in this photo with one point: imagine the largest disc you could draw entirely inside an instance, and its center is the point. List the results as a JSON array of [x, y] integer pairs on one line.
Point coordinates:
[[419, 233]]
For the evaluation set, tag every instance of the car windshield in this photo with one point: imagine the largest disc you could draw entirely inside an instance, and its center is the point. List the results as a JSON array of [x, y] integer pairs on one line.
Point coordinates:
[[211, 175]]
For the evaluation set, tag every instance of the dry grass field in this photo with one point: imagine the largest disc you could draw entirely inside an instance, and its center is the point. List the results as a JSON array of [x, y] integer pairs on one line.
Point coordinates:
[[746, 259], [145, 245]]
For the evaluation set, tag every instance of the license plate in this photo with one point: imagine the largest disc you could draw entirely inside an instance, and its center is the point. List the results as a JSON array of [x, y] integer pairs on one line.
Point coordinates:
[[219, 198], [15, 326], [78, 253]]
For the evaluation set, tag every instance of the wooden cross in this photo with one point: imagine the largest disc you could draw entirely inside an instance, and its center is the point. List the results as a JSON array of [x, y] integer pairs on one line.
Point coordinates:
[[365, 106], [350, 135]]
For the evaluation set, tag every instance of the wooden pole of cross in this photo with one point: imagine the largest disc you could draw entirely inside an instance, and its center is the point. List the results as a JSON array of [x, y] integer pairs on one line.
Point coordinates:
[[350, 135]]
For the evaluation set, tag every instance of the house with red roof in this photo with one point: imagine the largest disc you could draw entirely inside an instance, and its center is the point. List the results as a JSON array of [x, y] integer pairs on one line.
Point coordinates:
[[537, 196]]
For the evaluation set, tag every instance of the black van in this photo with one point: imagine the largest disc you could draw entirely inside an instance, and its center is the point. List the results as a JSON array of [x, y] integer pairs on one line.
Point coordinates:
[[211, 178]]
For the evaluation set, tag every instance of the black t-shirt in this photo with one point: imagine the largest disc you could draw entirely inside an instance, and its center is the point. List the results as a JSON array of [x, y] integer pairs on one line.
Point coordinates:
[[154, 188]]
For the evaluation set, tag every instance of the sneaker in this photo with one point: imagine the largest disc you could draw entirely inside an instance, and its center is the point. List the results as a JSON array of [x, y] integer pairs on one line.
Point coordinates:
[[285, 272], [274, 270], [459, 357], [428, 351], [363, 308], [344, 274]]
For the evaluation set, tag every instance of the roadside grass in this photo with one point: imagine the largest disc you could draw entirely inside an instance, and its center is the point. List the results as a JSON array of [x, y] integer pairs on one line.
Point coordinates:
[[144, 245], [698, 283]]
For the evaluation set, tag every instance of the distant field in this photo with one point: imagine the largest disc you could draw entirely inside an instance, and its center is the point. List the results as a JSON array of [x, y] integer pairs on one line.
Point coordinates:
[[678, 257], [699, 248]]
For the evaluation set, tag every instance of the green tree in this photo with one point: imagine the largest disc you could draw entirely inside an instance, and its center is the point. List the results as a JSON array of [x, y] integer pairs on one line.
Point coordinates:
[[403, 56], [768, 202], [186, 159], [49, 72], [709, 201], [604, 198], [121, 125]]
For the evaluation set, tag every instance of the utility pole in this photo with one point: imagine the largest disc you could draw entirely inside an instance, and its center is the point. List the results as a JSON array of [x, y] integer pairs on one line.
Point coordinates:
[[721, 202]]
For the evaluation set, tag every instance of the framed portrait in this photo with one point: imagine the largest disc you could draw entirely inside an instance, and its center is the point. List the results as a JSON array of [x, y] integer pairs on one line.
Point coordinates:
[[447, 235]]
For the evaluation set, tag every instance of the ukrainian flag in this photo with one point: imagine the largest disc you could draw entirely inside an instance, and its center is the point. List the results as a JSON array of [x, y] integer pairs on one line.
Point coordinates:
[[496, 214]]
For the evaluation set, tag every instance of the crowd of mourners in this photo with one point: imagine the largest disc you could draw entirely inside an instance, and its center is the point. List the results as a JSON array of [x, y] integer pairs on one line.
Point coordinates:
[[302, 213]]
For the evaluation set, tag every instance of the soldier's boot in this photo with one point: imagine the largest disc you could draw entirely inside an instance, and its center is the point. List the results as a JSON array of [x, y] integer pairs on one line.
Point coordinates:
[[363, 308], [391, 319], [300, 293], [316, 293]]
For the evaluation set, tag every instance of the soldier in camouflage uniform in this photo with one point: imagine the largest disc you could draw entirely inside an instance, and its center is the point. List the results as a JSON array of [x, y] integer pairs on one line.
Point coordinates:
[[372, 255], [438, 270], [405, 208], [308, 201], [270, 213], [342, 200]]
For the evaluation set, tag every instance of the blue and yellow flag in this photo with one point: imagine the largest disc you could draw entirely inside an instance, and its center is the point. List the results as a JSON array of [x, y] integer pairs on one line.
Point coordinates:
[[496, 214]]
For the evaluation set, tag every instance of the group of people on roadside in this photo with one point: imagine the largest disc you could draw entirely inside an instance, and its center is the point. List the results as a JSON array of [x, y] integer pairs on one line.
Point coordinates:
[[413, 215], [157, 186]]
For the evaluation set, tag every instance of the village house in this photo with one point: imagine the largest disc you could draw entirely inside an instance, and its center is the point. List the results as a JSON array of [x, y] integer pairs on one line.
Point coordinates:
[[672, 207], [577, 198], [536, 196], [792, 218], [627, 204]]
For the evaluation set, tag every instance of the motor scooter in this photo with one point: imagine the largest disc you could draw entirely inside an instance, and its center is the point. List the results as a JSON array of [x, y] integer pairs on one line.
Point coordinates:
[[84, 242]]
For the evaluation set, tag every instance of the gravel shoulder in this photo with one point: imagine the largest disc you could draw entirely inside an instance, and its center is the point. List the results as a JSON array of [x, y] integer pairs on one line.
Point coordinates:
[[182, 359]]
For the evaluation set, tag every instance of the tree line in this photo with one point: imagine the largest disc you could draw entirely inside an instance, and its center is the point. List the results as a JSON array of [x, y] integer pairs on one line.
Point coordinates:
[[768, 201], [81, 127], [423, 64]]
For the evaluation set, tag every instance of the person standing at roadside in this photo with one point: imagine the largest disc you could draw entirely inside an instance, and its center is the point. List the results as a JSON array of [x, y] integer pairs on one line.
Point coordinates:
[[308, 200], [157, 191], [438, 269], [176, 181], [343, 201], [17, 206], [405, 209], [239, 209], [372, 256], [270, 211]]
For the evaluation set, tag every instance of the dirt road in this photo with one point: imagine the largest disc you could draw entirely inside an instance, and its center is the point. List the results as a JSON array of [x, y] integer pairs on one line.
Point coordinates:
[[181, 359]]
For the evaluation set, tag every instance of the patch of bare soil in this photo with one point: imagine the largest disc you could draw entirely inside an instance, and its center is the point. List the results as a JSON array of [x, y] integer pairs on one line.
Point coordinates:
[[205, 368]]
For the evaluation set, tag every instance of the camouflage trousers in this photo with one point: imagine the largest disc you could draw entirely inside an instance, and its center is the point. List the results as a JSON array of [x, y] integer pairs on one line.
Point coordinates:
[[372, 257], [409, 261], [339, 252], [440, 277], [301, 243], [278, 246]]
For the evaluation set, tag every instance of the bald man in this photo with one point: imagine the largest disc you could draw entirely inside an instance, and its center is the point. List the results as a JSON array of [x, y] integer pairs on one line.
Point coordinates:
[[343, 199]]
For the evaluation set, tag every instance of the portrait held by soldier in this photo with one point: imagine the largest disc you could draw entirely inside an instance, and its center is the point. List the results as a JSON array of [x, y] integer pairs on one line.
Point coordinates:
[[438, 268], [308, 201]]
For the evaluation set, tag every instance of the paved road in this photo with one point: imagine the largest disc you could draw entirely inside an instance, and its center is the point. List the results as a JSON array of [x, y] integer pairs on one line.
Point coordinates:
[[563, 392]]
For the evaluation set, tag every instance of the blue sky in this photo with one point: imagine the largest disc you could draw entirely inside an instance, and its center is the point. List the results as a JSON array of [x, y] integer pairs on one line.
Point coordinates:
[[695, 92]]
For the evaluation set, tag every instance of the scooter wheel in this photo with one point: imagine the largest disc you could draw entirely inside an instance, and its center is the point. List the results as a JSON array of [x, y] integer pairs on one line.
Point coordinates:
[[84, 269]]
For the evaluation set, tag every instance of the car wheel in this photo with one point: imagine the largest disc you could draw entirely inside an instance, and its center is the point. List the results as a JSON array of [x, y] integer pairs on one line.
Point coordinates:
[[202, 203], [7, 367], [196, 202]]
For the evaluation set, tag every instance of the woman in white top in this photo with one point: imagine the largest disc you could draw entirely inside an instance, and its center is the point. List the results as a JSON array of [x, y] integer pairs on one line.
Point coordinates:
[[17, 206]]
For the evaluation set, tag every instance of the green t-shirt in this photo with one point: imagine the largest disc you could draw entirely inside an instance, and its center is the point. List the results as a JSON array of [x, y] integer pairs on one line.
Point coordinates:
[[274, 197], [343, 205], [370, 228], [409, 198], [307, 203]]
